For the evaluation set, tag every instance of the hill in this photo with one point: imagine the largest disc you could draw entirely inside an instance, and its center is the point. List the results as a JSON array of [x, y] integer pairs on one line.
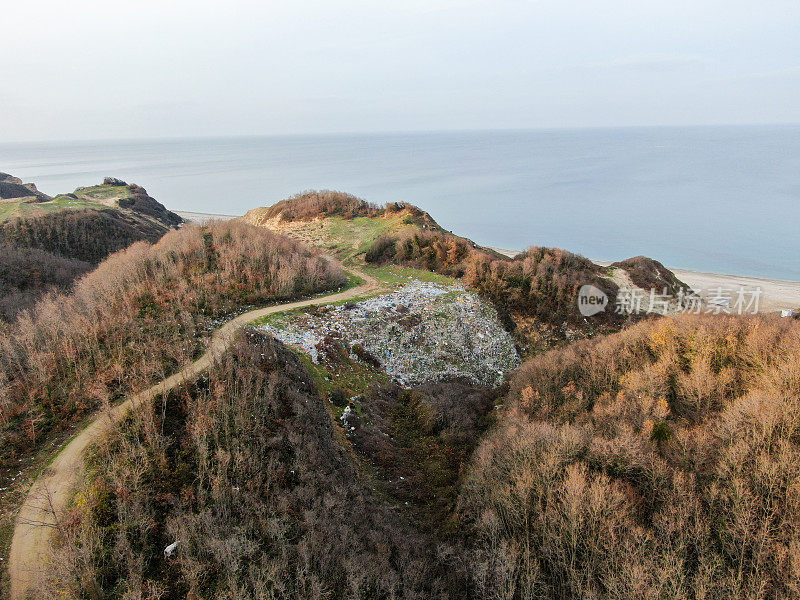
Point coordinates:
[[342, 223], [48, 242], [144, 312], [246, 470], [535, 292], [12, 188], [659, 462], [382, 446]]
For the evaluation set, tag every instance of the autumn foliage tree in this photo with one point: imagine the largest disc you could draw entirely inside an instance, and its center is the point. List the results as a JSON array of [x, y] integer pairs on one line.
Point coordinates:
[[659, 462], [244, 469], [140, 315]]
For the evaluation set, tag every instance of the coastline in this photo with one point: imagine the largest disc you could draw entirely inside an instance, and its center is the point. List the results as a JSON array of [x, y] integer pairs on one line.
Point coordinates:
[[776, 294], [200, 218]]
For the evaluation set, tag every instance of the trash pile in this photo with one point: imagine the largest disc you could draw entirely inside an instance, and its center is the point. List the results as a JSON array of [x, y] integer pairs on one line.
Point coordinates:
[[422, 332]]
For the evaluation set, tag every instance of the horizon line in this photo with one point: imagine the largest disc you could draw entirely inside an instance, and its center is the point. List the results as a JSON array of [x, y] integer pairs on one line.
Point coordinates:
[[390, 132]]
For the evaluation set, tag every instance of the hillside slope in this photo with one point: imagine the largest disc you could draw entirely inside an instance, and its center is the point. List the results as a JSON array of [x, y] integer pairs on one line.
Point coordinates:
[[143, 313], [244, 469], [47, 243], [535, 292], [659, 462], [12, 188], [345, 224]]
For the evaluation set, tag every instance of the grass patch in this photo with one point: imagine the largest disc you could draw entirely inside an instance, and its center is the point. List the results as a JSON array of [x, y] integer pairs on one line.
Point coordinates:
[[354, 378], [396, 276], [10, 209], [104, 192], [353, 280], [349, 239]]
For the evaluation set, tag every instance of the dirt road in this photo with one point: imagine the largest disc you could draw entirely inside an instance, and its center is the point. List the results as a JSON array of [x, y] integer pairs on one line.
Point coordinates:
[[50, 493]]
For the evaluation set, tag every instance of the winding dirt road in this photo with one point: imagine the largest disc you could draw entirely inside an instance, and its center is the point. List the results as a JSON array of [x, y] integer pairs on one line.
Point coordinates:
[[48, 497]]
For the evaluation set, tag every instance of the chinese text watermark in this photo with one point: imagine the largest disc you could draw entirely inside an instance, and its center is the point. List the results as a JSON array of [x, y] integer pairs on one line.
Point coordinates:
[[730, 301]]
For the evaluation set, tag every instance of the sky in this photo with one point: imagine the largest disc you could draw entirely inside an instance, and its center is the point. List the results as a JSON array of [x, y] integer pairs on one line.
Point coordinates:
[[100, 69]]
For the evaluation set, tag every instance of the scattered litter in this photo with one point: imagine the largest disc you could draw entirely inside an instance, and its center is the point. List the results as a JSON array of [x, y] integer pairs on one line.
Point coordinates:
[[421, 332], [170, 550]]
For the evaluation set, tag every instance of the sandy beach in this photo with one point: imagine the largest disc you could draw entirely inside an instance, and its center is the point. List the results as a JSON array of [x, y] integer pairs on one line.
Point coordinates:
[[200, 218], [776, 294]]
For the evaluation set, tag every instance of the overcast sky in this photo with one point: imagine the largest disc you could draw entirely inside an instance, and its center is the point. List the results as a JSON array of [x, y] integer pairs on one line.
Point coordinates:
[[95, 69]]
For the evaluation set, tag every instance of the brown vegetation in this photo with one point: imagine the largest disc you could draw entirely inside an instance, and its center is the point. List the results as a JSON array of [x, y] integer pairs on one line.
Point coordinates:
[[86, 235], [541, 283], [48, 252], [140, 315], [26, 274], [324, 203], [417, 441], [650, 274], [243, 470], [139, 202], [660, 462], [436, 251], [13, 188]]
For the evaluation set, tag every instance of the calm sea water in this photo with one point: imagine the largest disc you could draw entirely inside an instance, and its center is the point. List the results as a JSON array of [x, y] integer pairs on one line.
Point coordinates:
[[720, 199]]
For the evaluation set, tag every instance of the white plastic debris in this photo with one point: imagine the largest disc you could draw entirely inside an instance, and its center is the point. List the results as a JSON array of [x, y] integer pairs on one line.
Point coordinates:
[[440, 332], [170, 550]]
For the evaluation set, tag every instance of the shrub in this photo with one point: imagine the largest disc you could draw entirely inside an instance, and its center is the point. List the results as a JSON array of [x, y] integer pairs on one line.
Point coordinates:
[[381, 251], [245, 471], [140, 315], [541, 283], [662, 461], [86, 235], [325, 203], [650, 274], [26, 274]]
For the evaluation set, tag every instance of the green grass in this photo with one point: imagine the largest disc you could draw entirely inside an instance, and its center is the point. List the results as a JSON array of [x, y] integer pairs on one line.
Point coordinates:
[[103, 192], [353, 280], [10, 209], [395, 276], [353, 377], [349, 239], [89, 197]]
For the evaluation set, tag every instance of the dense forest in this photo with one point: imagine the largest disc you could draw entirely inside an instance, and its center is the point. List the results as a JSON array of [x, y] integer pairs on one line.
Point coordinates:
[[140, 315]]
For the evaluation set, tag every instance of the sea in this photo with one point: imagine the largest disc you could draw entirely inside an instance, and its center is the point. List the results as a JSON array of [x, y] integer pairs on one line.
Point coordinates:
[[714, 199]]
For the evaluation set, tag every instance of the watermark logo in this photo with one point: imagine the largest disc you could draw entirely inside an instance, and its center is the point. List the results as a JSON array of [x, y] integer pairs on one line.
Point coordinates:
[[591, 300], [728, 301]]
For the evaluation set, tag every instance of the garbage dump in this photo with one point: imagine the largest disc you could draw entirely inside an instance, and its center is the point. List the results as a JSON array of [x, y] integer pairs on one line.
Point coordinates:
[[421, 332]]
